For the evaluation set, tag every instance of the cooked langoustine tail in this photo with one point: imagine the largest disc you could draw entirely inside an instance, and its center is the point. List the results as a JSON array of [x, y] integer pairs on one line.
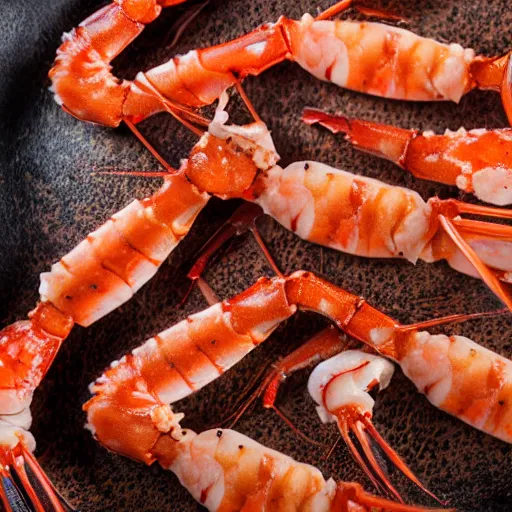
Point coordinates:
[[476, 161], [113, 262], [368, 57], [186, 357], [394, 63], [367, 217], [225, 470]]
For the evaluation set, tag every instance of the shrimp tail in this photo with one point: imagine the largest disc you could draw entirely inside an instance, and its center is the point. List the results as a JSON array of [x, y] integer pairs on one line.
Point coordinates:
[[25, 483], [82, 81]]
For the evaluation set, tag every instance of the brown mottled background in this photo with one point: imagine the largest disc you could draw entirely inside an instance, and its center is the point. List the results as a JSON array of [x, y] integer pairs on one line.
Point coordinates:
[[49, 201]]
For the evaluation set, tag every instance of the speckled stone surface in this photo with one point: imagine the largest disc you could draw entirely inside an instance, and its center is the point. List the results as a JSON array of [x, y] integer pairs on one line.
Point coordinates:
[[49, 201]]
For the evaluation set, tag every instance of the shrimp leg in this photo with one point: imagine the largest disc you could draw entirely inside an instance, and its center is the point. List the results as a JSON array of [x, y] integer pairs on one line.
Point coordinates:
[[476, 161]]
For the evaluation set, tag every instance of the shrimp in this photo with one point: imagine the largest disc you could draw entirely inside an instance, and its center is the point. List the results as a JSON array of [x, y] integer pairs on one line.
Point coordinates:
[[94, 278], [364, 216], [368, 57], [82, 80], [476, 161], [199, 349], [130, 414]]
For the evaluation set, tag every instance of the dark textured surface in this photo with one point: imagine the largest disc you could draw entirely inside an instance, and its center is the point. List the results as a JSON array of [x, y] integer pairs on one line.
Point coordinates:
[[49, 201]]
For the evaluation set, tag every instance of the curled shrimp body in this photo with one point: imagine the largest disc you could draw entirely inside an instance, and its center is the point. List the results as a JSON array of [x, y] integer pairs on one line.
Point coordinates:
[[343, 382], [82, 80], [476, 161], [368, 57]]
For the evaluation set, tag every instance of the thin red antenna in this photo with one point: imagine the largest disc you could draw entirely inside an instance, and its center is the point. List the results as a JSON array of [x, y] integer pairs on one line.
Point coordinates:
[[184, 23], [171, 108], [291, 425], [146, 174], [150, 148], [365, 445], [450, 319], [25, 482], [343, 428], [332, 448], [246, 100], [395, 458], [334, 10], [266, 252], [248, 399], [43, 479]]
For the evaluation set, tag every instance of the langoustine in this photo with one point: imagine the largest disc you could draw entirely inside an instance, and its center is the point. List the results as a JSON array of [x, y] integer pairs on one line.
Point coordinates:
[[476, 161], [130, 412], [364, 216], [457, 375], [368, 57]]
